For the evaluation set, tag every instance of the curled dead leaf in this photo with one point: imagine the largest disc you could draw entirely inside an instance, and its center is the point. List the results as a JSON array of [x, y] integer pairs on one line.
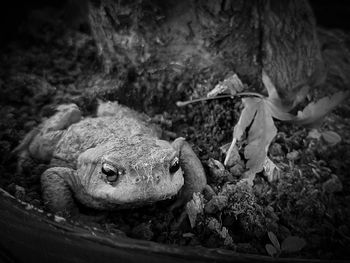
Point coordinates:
[[231, 85], [274, 240], [313, 113]]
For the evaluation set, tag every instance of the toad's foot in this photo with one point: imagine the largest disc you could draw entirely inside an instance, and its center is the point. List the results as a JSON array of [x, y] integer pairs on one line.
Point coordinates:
[[57, 192], [194, 175]]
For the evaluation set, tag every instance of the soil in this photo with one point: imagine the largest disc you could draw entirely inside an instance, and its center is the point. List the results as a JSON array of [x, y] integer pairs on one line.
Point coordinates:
[[47, 65]]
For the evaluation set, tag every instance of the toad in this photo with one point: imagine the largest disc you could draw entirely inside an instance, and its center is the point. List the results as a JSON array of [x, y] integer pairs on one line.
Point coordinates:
[[112, 161]]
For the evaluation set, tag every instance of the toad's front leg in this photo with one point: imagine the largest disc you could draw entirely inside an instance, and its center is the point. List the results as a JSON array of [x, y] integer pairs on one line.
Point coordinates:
[[57, 190], [194, 175]]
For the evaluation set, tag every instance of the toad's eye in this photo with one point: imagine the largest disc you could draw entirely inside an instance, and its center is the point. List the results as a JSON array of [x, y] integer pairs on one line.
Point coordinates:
[[174, 165], [112, 173]]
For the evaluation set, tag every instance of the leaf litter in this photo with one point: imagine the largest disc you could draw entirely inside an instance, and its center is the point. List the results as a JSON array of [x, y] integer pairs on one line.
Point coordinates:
[[258, 114]]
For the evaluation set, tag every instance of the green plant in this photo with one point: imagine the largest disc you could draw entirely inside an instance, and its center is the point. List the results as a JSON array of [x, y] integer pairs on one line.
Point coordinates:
[[289, 245], [258, 113]]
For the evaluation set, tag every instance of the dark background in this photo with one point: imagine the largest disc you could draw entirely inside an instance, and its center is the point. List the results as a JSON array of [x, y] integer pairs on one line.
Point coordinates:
[[331, 14]]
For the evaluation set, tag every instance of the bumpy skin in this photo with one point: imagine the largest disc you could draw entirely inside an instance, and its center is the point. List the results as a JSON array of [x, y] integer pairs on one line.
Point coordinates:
[[122, 138]]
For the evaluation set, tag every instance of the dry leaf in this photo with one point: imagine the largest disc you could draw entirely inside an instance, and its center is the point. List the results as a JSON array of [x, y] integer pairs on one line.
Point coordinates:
[[274, 240], [315, 111], [278, 112], [312, 113], [247, 116], [244, 121], [261, 134], [331, 137], [277, 105], [257, 114], [230, 85], [271, 89]]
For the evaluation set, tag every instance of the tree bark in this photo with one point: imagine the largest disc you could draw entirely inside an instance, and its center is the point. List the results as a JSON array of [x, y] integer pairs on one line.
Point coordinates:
[[189, 36], [290, 47]]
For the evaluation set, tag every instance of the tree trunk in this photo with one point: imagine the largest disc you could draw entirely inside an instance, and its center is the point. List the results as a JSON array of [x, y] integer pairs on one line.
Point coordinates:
[[291, 53], [191, 36]]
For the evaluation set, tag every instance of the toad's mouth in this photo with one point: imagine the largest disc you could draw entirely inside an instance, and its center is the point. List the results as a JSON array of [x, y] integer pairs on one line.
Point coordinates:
[[128, 192], [164, 203], [168, 198], [110, 205]]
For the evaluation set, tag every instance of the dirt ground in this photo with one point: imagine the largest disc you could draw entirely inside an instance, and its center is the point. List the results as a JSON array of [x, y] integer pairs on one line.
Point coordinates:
[[48, 65]]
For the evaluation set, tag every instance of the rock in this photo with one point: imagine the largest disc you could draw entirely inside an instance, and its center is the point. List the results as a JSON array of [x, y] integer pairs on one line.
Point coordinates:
[[215, 226], [59, 219], [292, 156], [228, 240], [276, 149], [216, 204], [314, 134], [216, 168], [237, 170], [217, 171], [333, 185], [194, 207]]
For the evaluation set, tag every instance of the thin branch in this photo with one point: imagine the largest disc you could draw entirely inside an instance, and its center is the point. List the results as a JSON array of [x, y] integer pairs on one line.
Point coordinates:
[[241, 94]]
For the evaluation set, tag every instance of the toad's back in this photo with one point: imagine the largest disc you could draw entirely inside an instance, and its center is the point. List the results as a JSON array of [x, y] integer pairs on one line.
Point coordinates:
[[91, 132]]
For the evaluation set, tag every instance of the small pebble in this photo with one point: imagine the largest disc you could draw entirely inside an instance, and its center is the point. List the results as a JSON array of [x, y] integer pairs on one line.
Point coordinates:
[[216, 170], [276, 149], [59, 219], [333, 185], [194, 207], [216, 204], [20, 192], [292, 156], [237, 170]]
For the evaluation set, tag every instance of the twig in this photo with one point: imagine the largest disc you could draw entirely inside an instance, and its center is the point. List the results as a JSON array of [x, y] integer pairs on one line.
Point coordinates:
[[252, 94]]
